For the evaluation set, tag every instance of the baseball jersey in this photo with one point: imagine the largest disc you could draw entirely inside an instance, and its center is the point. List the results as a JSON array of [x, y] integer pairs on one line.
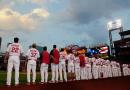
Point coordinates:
[[71, 58], [82, 60], [33, 54], [62, 56], [86, 60], [45, 57], [56, 56], [14, 49], [77, 62]]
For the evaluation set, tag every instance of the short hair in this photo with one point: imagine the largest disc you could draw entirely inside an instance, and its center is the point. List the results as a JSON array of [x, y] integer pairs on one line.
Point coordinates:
[[45, 48], [62, 49], [34, 45], [16, 39], [54, 46], [69, 51]]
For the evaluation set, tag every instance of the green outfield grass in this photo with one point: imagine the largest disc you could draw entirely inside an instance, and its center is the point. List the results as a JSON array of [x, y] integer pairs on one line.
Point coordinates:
[[22, 77]]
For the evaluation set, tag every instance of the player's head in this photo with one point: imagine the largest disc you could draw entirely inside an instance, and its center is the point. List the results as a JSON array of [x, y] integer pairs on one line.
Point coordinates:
[[34, 45], [69, 51], [62, 49], [54, 46], [45, 48], [16, 39], [76, 54]]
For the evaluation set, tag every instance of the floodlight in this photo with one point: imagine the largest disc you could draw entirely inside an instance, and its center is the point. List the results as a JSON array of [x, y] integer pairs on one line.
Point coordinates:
[[118, 23], [109, 25], [114, 24]]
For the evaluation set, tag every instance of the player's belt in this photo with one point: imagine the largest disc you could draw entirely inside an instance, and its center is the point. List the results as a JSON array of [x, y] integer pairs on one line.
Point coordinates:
[[33, 59]]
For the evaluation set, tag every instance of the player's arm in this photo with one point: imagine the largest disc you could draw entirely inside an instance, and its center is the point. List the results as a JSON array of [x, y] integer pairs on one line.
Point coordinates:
[[26, 57], [7, 54], [6, 57], [52, 57], [21, 51]]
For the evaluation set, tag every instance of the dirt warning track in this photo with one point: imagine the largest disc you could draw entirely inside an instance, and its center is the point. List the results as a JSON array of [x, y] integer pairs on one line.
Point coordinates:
[[121, 83]]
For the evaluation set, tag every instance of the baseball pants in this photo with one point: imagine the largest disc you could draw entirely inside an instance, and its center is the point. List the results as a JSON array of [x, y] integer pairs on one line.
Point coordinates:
[[31, 66], [62, 67], [54, 68], [13, 62], [44, 72], [77, 73]]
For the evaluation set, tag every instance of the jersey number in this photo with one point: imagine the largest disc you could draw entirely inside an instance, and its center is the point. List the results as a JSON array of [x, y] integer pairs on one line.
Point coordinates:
[[14, 49], [33, 54]]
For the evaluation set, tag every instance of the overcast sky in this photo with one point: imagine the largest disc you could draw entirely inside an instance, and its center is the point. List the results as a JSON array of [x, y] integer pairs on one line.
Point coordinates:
[[61, 22]]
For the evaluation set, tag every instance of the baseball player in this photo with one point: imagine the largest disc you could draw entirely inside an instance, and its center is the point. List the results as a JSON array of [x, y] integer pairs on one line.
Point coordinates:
[[55, 64], [44, 65], [104, 69], [108, 71], [126, 70], [119, 69], [82, 66], [32, 56], [100, 67], [88, 74], [95, 68], [62, 65], [13, 52], [77, 67], [114, 69], [70, 58]]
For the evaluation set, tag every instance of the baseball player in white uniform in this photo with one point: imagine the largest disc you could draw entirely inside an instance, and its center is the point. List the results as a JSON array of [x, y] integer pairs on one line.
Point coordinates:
[[108, 71], [95, 68], [13, 52], [126, 70], [119, 69], [114, 69], [77, 67], [62, 65], [70, 58], [88, 74], [32, 56]]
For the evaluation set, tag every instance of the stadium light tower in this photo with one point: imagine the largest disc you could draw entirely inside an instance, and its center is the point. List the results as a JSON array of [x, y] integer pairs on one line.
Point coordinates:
[[112, 26]]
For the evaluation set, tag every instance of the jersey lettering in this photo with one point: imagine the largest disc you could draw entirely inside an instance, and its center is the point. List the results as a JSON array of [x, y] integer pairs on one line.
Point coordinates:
[[15, 49], [33, 53]]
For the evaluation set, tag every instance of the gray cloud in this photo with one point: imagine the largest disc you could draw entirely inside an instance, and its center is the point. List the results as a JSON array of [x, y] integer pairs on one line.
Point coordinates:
[[85, 11]]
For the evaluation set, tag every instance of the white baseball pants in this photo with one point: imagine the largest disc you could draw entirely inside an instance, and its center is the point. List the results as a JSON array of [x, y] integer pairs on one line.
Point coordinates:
[[62, 67], [54, 68], [44, 72], [13, 62], [31, 66]]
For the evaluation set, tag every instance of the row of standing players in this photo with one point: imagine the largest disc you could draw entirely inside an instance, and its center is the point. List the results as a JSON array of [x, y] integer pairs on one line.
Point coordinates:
[[79, 66]]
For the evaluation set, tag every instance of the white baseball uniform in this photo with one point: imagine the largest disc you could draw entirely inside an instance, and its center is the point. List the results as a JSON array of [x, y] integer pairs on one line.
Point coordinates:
[[126, 70], [114, 69], [14, 51], [108, 70], [119, 69], [62, 65], [32, 55], [77, 68], [95, 69], [88, 74], [70, 58]]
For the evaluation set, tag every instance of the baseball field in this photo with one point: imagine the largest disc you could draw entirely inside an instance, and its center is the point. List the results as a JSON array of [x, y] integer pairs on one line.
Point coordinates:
[[120, 83], [22, 77]]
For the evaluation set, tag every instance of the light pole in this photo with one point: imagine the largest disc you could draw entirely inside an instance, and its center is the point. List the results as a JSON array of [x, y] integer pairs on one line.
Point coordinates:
[[112, 26]]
